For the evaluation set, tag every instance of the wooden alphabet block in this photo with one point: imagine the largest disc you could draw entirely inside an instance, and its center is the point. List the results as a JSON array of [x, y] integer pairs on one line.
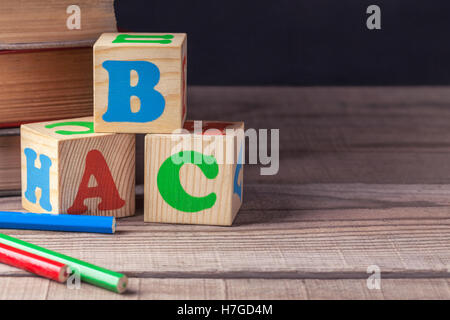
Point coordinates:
[[140, 82], [196, 176], [67, 168]]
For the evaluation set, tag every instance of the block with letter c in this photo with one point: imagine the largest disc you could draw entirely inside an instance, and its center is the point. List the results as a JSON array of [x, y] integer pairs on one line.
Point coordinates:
[[194, 176]]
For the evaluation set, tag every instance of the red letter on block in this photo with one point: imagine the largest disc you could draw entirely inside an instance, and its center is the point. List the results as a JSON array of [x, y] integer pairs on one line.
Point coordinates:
[[106, 189]]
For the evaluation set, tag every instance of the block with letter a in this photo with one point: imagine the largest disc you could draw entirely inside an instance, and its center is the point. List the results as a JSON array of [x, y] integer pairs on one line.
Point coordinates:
[[140, 82], [67, 168]]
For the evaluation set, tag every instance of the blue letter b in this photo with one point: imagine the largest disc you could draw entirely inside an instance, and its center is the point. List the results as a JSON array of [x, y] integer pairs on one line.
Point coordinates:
[[120, 92], [38, 178]]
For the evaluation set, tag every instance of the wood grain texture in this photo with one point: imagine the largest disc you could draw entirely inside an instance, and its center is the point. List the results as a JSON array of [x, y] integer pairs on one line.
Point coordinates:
[[69, 156], [224, 148], [230, 289], [169, 60], [39, 85], [34, 21], [341, 134], [339, 236], [362, 182], [9, 161]]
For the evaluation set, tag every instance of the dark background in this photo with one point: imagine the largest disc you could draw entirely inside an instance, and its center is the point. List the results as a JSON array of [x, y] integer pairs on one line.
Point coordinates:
[[302, 42]]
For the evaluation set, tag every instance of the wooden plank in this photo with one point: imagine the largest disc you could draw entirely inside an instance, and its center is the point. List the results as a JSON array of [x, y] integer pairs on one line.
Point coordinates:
[[10, 203], [333, 106], [231, 289], [339, 135], [330, 231], [358, 167], [390, 289], [23, 288], [372, 164], [342, 135], [316, 200]]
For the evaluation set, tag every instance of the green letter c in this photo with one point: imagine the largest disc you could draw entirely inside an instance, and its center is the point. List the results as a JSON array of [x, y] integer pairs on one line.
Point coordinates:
[[172, 191]]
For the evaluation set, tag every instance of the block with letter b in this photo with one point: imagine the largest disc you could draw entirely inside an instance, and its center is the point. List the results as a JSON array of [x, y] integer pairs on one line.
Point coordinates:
[[140, 82], [195, 176], [67, 168]]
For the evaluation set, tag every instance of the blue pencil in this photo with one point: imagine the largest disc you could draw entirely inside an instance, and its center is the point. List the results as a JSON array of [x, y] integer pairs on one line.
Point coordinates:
[[56, 222]]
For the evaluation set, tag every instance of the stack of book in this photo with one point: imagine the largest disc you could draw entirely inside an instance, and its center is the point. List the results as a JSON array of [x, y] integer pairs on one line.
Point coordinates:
[[45, 68]]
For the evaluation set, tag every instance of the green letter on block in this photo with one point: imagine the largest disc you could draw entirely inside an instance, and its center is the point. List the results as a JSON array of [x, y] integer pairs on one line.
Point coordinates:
[[172, 191]]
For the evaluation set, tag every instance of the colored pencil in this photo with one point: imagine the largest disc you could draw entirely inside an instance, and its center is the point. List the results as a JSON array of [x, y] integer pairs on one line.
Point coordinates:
[[56, 222], [44, 267], [89, 273]]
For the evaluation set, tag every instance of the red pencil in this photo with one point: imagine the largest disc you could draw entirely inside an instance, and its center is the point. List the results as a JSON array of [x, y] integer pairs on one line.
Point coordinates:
[[33, 263]]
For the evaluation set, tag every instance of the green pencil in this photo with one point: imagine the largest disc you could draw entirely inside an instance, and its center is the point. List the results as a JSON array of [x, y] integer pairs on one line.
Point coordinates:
[[90, 273]]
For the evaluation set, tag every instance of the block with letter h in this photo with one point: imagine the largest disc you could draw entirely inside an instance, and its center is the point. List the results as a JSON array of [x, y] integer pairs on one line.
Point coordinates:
[[67, 168], [195, 176], [139, 82]]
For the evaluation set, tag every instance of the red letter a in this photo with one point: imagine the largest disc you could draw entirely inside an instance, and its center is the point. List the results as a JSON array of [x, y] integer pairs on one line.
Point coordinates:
[[106, 189]]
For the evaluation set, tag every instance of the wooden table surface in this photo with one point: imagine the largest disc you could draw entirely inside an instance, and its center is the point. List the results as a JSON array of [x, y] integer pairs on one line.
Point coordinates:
[[364, 180]]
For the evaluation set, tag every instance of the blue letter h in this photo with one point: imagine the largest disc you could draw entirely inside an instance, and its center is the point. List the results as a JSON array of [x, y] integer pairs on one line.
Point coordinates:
[[38, 178]]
